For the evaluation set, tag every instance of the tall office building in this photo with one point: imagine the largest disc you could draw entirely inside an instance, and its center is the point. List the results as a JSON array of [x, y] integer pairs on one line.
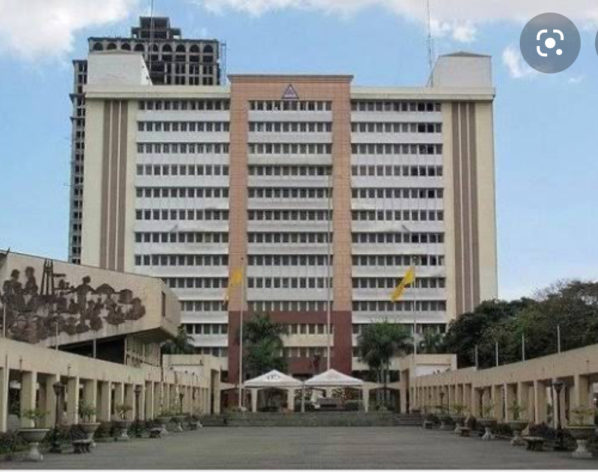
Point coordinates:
[[170, 60], [276, 173]]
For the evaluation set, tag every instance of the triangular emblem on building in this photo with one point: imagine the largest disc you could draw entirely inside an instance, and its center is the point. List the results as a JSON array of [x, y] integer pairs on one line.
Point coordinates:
[[290, 93]]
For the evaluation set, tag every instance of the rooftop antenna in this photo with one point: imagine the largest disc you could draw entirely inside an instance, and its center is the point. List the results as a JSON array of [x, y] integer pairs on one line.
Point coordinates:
[[430, 43]]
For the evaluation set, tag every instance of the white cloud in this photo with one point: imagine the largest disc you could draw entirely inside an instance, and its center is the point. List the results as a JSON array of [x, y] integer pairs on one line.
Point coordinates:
[[457, 19], [45, 28], [577, 79], [512, 59]]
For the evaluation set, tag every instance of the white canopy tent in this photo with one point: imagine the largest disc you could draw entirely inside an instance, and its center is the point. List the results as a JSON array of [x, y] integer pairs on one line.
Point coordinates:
[[273, 379], [333, 378]]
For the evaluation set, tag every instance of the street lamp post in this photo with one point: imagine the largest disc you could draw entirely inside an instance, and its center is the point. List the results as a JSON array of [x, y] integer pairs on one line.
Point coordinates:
[[560, 438], [58, 388]]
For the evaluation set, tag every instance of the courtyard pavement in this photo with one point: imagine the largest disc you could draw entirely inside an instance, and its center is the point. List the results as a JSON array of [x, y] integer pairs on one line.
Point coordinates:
[[308, 448]]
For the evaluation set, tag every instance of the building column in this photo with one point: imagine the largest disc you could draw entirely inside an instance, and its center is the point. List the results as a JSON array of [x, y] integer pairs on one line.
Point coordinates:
[[498, 402], [47, 399], [149, 401], [581, 392], [72, 396], [365, 397], [90, 392], [105, 401], [523, 399], [474, 401], [141, 406], [28, 392], [3, 399], [510, 397], [130, 401], [119, 395], [157, 387], [539, 402]]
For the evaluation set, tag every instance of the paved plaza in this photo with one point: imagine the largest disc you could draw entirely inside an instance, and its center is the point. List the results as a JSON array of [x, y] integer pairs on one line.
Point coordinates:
[[309, 448]]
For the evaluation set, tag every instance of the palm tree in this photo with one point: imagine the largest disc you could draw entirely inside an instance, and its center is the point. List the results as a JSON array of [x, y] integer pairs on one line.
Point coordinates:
[[379, 343], [432, 342], [181, 344], [263, 345]]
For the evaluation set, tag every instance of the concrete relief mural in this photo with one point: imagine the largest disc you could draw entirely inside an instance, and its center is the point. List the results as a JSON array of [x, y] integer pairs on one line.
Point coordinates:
[[35, 312]]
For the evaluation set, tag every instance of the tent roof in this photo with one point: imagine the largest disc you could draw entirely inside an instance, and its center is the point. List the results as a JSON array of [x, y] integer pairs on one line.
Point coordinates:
[[273, 379], [333, 378]]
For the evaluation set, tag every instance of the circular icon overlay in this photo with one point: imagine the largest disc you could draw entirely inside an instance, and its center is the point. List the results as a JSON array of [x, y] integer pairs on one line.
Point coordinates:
[[550, 43]]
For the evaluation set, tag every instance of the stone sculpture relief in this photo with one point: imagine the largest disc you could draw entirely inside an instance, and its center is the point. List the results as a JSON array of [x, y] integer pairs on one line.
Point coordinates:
[[34, 313]]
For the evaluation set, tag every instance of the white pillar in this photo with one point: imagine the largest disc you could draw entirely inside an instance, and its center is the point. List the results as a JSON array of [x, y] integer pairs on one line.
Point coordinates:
[[254, 393], [28, 391]]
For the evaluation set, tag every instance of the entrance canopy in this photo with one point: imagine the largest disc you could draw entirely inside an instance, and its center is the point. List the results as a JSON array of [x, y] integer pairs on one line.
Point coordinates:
[[333, 378], [273, 379]]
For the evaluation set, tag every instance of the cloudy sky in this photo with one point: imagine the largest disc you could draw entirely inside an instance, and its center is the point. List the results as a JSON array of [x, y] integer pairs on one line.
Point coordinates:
[[546, 139]]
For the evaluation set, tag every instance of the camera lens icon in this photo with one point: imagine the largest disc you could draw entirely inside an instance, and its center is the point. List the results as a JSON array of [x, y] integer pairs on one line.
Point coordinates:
[[550, 43]]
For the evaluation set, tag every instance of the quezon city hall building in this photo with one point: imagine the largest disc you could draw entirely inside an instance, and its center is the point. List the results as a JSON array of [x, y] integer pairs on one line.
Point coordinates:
[[273, 173]]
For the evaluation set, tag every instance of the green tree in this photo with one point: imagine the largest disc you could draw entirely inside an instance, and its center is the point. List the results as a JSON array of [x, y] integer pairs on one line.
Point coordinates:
[[431, 343], [378, 343], [263, 346], [181, 344]]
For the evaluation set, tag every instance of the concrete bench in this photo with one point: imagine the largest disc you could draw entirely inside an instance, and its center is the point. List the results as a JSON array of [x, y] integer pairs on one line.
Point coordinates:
[[82, 445], [155, 432], [465, 431], [534, 443]]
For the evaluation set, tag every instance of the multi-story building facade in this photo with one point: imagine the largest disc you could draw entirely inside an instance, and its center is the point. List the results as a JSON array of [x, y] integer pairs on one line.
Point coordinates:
[[324, 191], [170, 59]]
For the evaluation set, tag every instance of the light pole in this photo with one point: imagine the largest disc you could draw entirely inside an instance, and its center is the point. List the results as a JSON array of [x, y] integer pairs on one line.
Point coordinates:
[[560, 438], [58, 388]]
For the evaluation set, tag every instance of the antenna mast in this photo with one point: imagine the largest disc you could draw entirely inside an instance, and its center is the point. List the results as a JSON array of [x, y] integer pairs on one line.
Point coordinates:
[[430, 42]]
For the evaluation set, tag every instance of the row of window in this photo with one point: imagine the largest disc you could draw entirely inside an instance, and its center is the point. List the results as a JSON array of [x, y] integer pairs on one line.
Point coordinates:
[[175, 215], [402, 305], [288, 238], [434, 328], [303, 193], [182, 148], [290, 127], [396, 171], [305, 328], [181, 237], [268, 306], [363, 193], [397, 238], [397, 260], [194, 260], [388, 127], [184, 104], [287, 282], [288, 260], [381, 149], [181, 192], [391, 282], [202, 306], [290, 105], [185, 126], [212, 351], [306, 352], [289, 215], [394, 105], [196, 282], [398, 215], [289, 171], [173, 169], [289, 148], [206, 328]]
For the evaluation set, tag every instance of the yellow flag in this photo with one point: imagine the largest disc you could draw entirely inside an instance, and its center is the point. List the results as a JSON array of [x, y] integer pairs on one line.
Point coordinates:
[[408, 279], [235, 280]]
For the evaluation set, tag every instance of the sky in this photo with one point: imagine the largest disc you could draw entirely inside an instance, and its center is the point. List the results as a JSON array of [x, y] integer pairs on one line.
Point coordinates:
[[545, 125]]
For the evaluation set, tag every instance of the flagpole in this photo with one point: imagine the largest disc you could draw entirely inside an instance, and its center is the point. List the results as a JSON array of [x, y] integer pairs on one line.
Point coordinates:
[[476, 356], [522, 346], [328, 291], [496, 352], [558, 337], [241, 335]]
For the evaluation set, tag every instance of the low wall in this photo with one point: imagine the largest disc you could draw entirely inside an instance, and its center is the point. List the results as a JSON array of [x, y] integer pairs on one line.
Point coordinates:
[[320, 418]]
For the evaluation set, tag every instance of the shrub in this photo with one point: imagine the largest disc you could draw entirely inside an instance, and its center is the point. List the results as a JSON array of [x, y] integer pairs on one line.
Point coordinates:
[[11, 442], [503, 429]]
